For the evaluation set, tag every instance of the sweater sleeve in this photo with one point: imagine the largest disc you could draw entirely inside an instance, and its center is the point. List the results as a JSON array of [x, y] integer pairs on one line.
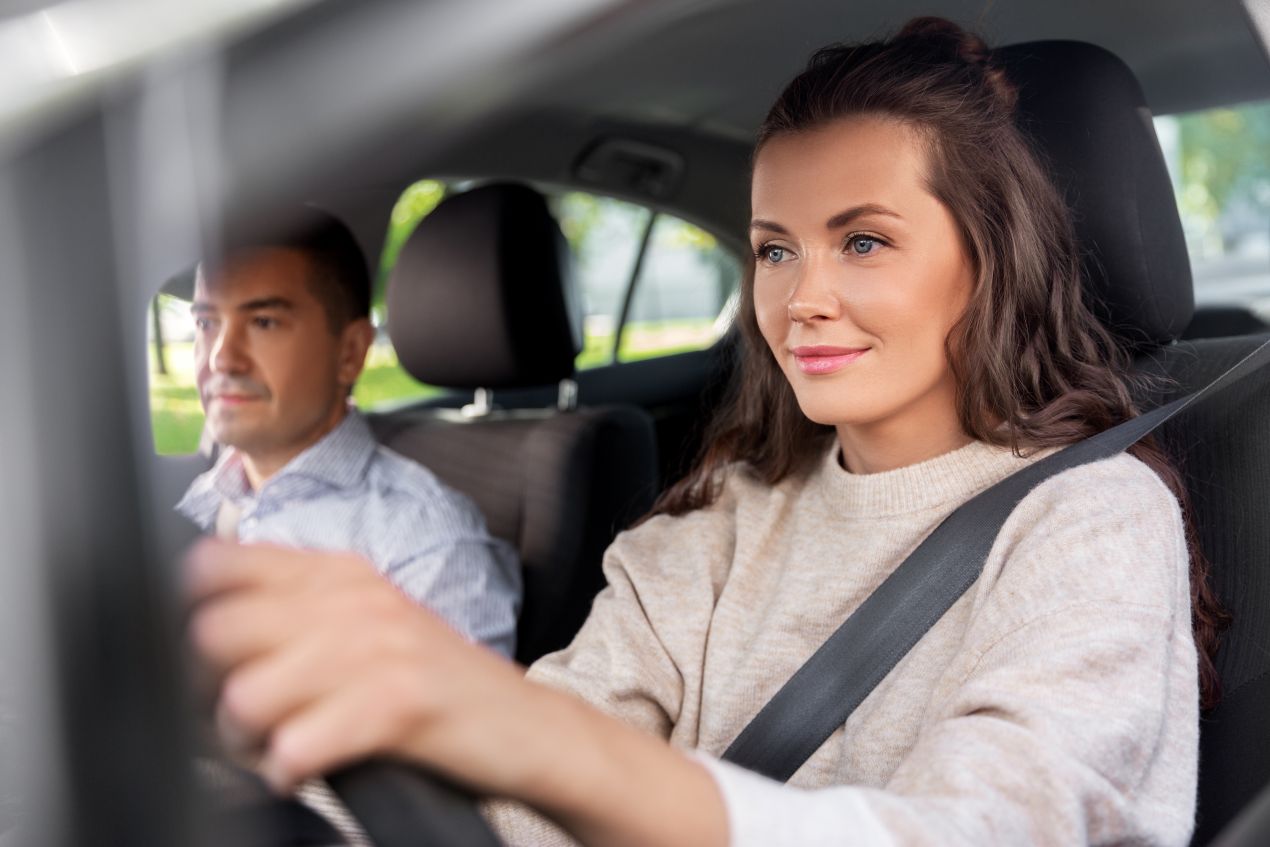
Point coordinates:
[[1078, 689], [640, 649]]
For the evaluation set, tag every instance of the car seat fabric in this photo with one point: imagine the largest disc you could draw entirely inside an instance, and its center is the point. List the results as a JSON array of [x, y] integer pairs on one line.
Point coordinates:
[[1224, 321], [1085, 112], [559, 488], [557, 485], [1223, 448]]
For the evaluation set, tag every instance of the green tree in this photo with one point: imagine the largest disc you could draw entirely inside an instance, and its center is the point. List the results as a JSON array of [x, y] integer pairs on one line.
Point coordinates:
[[1225, 156], [413, 206]]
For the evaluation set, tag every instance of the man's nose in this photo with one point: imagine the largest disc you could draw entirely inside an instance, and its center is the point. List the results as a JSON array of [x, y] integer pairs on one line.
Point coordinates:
[[815, 295], [228, 354]]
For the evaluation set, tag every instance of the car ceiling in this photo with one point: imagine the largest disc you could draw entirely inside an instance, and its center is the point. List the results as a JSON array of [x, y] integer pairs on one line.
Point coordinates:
[[700, 81], [721, 63], [693, 77]]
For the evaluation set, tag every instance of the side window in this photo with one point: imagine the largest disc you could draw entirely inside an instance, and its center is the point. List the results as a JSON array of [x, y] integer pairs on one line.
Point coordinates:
[[682, 294], [607, 237], [176, 415], [665, 284], [1220, 163]]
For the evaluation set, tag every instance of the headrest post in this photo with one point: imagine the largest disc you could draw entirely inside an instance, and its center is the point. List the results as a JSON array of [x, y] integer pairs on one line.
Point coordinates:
[[567, 395], [482, 404]]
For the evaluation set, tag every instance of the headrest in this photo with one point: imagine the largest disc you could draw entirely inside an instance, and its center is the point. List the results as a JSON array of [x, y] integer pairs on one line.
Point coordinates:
[[482, 294], [1085, 112]]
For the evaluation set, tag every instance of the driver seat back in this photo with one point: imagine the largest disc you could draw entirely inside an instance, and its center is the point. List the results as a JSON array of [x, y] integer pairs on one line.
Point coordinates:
[[1087, 116]]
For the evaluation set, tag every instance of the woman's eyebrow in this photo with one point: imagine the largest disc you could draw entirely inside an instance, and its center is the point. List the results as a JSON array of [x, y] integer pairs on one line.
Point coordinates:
[[843, 218], [770, 226], [836, 222]]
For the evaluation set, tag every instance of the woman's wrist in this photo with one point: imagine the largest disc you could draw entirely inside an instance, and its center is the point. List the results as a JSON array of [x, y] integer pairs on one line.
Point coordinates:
[[610, 784]]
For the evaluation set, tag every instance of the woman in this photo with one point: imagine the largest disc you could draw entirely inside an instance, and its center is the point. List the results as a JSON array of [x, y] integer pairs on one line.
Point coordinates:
[[912, 332]]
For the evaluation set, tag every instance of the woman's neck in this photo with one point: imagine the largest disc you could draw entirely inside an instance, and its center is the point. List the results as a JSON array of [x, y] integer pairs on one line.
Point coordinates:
[[898, 442]]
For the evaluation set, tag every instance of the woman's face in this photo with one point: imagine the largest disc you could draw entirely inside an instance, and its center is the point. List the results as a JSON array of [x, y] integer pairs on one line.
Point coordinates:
[[860, 273]]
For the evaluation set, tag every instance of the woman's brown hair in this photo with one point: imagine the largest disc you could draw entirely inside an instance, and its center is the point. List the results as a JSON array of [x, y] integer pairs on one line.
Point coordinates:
[[1034, 367]]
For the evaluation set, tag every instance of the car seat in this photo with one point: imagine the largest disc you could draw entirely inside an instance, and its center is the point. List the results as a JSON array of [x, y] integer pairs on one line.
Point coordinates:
[[1087, 115], [481, 299]]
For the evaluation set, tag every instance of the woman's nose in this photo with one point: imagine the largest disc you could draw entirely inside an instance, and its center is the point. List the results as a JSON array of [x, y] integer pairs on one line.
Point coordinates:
[[814, 296]]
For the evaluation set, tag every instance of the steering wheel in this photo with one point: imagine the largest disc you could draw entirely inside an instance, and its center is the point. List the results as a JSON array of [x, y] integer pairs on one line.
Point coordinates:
[[394, 804], [402, 806]]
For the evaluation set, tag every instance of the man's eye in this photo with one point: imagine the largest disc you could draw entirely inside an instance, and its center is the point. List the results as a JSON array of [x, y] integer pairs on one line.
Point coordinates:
[[264, 323], [863, 245], [202, 324]]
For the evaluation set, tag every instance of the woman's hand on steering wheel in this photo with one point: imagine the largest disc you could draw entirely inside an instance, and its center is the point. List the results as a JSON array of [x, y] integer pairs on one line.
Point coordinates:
[[322, 662]]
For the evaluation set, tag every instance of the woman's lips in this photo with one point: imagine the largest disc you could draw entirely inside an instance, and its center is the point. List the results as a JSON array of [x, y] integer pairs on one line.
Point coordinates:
[[825, 360]]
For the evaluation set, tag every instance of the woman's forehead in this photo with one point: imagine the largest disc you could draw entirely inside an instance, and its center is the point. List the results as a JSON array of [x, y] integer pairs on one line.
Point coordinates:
[[849, 162]]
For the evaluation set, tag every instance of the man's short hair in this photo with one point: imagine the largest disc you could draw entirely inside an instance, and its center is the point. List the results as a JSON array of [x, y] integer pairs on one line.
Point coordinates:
[[340, 278]]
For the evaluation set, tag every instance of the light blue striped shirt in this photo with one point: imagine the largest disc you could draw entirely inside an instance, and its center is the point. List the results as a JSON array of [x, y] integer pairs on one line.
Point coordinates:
[[349, 493]]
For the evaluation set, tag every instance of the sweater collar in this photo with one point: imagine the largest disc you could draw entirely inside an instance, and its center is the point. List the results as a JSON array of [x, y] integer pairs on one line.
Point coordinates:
[[953, 477]]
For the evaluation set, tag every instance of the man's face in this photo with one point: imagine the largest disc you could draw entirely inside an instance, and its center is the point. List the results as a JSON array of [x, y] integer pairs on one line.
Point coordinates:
[[272, 374]]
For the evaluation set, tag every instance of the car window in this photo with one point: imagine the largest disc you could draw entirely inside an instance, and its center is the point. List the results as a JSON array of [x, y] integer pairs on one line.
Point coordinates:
[[672, 282], [1220, 163], [176, 416], [606, 237], [682, 295], [682, 277]]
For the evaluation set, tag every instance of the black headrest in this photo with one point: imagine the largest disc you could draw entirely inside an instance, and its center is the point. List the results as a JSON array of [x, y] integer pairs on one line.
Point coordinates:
[[482, 293], [1085, 112]]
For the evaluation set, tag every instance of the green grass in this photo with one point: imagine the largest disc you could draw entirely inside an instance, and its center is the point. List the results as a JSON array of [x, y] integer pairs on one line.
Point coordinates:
[[176, 416]]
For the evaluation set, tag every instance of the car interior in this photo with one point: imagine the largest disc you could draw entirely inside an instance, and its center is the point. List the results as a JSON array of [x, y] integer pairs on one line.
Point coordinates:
[[650, 103]]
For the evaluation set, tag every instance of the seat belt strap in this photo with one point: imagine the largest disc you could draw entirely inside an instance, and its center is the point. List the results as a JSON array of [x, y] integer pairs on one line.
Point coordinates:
[[823, 693], [228, 515]]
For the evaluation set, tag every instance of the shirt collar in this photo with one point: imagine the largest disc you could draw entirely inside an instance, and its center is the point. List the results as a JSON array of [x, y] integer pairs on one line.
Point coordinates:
[[338, 460]]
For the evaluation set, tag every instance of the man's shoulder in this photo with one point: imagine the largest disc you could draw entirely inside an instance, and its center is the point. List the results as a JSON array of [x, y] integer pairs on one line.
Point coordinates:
[[408, 484]]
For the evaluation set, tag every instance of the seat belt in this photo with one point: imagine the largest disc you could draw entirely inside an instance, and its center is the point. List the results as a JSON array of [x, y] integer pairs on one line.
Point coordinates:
[[823, 693], [228, 514]]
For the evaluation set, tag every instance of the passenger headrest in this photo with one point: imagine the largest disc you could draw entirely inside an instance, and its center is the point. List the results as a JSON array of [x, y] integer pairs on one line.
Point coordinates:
[[482, 294], [1085, 112]]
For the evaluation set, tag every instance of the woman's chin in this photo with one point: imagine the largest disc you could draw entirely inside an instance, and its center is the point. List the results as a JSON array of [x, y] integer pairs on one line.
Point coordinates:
[[837, 414]]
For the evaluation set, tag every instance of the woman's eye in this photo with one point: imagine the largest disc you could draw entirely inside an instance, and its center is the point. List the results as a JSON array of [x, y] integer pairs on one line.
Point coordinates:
[[772, 254], [862, 245]]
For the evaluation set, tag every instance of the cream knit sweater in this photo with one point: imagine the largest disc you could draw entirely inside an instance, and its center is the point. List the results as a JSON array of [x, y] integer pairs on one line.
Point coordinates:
[[1055, 703]]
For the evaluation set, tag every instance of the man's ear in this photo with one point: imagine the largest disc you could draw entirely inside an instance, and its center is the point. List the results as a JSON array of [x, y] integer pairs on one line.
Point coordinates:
[[355, 341]]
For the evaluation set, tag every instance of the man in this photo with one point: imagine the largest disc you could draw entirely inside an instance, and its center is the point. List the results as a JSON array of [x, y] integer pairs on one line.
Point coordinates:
[[282, 331]]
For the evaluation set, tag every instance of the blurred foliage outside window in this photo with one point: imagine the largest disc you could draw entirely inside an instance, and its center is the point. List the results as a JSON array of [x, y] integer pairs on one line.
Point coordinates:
[[682, 295], [1219, 160]]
